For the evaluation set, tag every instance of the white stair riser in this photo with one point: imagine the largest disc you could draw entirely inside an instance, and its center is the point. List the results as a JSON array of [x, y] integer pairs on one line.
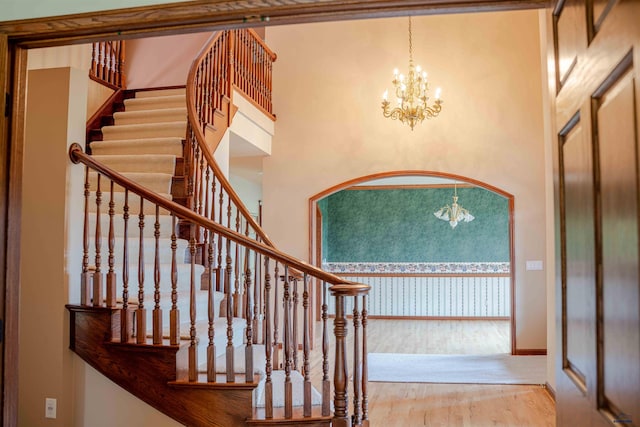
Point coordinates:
[[158, 182], [148, 249], [172, 146], [183, 277], [118, 226], [150, 116], [147, 130], [183, 305], [139, 163], [155, 102], [148, 208], [161, 92]]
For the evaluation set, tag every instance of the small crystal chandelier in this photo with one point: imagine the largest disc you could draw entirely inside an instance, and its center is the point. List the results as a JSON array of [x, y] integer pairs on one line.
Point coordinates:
[[454, 213], [411, 94]]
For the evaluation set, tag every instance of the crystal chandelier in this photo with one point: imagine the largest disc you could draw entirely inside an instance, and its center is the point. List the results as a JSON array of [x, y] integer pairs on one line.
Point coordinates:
[[454, 213], [411, 94]]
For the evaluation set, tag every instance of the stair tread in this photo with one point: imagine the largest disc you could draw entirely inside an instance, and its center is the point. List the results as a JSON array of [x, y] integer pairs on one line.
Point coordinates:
[[154, 93], [136, 126], [155, 111]]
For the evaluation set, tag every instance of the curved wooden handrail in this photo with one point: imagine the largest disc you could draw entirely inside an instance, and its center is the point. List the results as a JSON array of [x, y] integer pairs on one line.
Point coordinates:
[[77, 155], [197, 128], [261, 42]]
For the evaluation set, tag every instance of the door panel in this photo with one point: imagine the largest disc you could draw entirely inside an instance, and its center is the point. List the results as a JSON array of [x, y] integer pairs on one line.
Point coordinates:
[[617, 146], [598, 194], [579, 279]]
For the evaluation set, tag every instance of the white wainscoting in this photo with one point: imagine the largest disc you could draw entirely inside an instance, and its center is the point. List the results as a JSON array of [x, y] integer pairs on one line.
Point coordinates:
[[434, 296]]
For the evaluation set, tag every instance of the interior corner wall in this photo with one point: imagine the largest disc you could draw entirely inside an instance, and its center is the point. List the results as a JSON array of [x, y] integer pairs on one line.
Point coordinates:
[[56, 105], [328, 82], [52, 200], [158, 62]]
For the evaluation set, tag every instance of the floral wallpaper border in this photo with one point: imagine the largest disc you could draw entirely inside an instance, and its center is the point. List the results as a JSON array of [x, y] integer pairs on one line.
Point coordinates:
[[417, 267]]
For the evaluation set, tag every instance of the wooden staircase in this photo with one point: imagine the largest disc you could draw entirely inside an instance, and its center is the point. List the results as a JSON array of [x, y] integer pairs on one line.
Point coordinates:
[[185, 302]]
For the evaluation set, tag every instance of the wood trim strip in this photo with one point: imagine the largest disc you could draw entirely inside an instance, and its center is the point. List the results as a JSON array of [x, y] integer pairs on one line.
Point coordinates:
[[15, 76], [422, 275], [349, 316], [530, 352], [406, 187], [352, 182], [550, 391], [210, 15]]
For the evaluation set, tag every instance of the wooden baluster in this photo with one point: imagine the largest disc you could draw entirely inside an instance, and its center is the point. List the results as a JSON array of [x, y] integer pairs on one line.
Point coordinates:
[[326, 384], [111, 275], [201, 190], [157, 312], [365, 365], [268, 385], [99, 73], [286, 326], [97, 275], [103, 60], [174, 314], [193, 345], [192, 169], [197, 205], [227, 286], [231, 64], [211, 348], [121, 58], [341, 373], [141, 312], [208, 247], [245, 265], [248, 357], [276, 322], [294, 342], [257, 293], [306, 348], [215, 275], [236, 272], [107, 62], [220, 210], [206, 233], [126, 321], [357, 384], [86, 275], [94, 59]]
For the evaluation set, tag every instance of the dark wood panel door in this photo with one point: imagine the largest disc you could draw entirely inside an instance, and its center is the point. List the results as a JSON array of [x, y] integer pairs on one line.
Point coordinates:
[[597, 117]]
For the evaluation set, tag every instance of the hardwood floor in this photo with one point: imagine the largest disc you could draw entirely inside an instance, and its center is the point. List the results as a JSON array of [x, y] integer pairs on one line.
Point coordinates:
[[449, 405]]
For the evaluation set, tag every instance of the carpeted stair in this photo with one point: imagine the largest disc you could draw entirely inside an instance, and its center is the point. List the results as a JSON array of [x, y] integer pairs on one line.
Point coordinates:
[[145, 143]]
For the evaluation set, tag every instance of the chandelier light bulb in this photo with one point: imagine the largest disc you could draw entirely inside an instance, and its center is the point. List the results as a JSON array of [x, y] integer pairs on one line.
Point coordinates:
[[385, 95], [411, 93]]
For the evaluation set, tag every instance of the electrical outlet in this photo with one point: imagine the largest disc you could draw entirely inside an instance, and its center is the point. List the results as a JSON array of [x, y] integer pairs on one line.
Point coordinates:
[[50, 406], [534, 265]]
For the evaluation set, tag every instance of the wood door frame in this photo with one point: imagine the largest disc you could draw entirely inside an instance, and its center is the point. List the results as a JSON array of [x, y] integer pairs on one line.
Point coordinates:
[[314, 256], [16, 37]]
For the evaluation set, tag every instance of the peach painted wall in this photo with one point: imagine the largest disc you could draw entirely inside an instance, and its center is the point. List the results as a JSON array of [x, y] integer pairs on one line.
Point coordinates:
[[161, 61], [328, 82]]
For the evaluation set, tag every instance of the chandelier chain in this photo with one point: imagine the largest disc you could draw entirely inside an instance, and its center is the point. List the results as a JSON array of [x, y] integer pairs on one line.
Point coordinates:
[[410, 43]]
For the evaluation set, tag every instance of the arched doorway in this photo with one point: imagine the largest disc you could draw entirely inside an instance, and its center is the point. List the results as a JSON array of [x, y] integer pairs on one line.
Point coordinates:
[[381, 229]]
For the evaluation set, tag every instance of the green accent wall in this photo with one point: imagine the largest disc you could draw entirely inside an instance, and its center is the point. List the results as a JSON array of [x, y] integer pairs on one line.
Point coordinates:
[[398, 225]]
